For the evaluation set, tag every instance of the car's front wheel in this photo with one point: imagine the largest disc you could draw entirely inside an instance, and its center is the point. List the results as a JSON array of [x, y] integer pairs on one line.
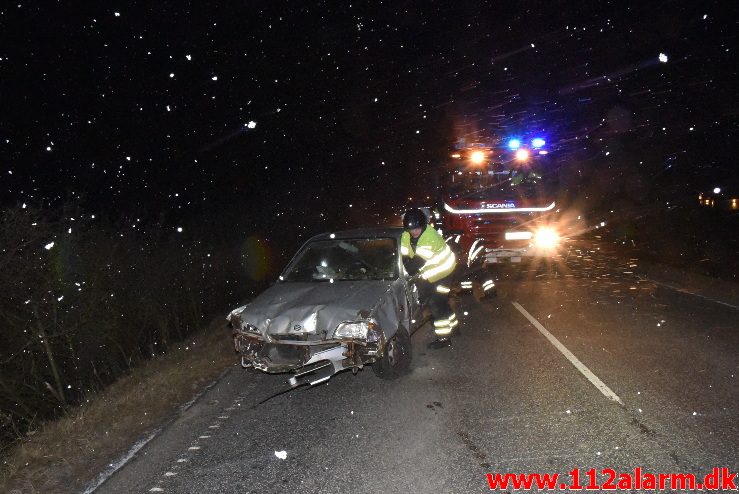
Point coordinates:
[[397, 356]]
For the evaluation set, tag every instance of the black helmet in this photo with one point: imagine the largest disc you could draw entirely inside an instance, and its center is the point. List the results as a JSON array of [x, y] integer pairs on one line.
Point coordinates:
[[414, 218]]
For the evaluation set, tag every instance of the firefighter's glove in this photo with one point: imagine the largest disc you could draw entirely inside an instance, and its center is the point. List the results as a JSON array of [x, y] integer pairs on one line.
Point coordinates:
[[412, 265]]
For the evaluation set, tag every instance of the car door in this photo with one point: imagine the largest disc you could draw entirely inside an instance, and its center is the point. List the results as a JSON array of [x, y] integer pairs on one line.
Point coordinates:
[[413, 308]]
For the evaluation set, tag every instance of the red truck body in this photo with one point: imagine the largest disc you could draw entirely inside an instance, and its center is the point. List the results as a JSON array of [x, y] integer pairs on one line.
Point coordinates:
[[500, 214]]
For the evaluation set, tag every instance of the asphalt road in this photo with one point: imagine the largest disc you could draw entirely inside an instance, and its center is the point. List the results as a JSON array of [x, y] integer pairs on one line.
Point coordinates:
[[650, 382]]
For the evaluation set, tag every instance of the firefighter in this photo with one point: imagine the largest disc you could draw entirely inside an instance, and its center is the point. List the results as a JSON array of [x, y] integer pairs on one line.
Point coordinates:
[[473, 274], [426, 254]]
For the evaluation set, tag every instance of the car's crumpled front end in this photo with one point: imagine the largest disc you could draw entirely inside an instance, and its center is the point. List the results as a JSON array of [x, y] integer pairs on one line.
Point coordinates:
[[318, 359], [316, 330]]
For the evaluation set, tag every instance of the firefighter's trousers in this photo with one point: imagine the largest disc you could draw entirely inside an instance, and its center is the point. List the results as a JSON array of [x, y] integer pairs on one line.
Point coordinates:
[[476, 273], [436, 297]]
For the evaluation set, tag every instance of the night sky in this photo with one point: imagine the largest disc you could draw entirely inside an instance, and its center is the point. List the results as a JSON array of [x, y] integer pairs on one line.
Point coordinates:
[[282, 111]]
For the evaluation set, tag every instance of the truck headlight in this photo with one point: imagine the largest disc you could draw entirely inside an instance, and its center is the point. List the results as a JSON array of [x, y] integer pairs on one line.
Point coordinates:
[[546, 238], [354, 330]]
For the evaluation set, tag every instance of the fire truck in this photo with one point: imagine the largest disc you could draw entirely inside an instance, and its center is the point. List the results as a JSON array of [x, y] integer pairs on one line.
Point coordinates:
[[499, 203]]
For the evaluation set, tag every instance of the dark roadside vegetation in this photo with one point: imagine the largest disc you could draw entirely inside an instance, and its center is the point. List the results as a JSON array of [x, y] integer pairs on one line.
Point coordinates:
[[102, 321], [690, 237], [84, 302]]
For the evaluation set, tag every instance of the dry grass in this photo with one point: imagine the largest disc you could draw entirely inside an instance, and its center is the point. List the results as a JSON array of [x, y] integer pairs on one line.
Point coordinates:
[[65, 455]]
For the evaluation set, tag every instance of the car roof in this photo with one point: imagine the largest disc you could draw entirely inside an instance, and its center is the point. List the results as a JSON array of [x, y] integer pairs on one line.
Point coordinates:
[[372, 232]]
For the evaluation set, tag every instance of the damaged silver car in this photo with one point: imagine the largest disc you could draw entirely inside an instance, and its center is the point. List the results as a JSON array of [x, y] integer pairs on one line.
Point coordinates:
[[343, 301]]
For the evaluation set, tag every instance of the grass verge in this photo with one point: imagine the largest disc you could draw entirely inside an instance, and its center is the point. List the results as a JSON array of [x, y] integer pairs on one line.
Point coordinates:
[[66, 454]]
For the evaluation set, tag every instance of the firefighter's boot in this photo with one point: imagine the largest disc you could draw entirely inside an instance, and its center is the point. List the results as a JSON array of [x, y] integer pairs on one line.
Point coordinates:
[[440, 343]]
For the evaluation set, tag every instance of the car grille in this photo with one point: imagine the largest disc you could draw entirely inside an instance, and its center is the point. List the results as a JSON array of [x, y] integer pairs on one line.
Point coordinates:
[[299, 337]]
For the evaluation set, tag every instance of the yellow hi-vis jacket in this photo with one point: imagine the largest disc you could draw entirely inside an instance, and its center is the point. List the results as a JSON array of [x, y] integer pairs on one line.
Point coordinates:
[[440, 260]]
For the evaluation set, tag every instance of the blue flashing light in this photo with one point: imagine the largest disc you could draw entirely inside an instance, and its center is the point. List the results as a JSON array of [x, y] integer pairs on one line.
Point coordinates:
[[538, 142], [514, 143]]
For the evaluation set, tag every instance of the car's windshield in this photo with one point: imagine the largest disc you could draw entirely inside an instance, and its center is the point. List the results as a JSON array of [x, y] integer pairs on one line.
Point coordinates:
[[345, 260]]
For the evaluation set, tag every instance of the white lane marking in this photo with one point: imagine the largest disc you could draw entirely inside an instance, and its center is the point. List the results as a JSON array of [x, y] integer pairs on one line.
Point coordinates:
[[569, 356], [170, 474], [105, 475], [194, 448], [156, 489], [687, 292]]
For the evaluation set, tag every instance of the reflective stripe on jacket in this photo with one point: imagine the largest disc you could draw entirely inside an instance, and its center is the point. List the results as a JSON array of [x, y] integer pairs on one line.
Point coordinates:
[[440, 260]]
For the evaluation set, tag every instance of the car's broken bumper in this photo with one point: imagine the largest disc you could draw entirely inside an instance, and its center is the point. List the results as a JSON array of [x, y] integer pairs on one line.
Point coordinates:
[[316, 361]]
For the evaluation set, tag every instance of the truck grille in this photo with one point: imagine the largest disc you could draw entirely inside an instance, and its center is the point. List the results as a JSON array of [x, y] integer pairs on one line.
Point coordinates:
[[492, 228]]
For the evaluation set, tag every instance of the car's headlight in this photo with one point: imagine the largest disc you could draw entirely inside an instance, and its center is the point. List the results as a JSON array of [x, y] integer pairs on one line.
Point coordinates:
[[359, 330], [250, 328], [354, 330], [234, 317], [237, 323], [546, 238], [234, 314]]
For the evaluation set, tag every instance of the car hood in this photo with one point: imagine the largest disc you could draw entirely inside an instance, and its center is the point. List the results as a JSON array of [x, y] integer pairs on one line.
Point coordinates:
[[311, 311]]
